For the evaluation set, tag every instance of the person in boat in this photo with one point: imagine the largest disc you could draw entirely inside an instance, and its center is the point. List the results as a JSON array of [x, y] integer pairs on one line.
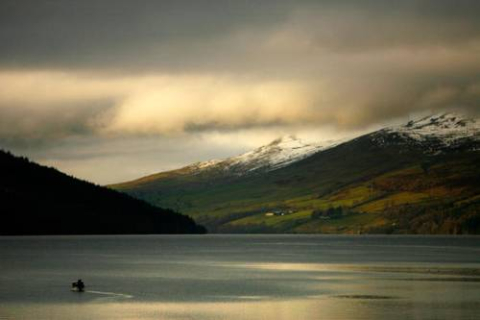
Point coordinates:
[[79, 285]]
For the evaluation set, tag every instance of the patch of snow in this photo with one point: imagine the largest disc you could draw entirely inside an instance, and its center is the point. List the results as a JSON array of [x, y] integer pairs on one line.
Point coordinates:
[[448, 128], [277, 154], [204, 164]]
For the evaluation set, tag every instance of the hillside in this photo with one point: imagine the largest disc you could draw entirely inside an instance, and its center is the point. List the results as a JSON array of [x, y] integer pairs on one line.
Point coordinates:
[[39, 200], [421, 177], [278, 154]]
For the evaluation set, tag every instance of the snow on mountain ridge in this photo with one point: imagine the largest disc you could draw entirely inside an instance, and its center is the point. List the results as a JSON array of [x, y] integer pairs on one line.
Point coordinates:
[[203, 164], [447, 127], [279, 153]]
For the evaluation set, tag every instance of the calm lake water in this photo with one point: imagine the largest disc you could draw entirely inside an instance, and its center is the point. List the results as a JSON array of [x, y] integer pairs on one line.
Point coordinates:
[[240, 277]]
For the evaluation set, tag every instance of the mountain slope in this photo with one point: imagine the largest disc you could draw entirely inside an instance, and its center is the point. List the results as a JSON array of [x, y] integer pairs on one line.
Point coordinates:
[[40, 200], [275, 155], [351, 177]]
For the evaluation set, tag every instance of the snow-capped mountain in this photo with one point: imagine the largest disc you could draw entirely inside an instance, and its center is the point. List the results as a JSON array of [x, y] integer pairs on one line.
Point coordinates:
[[435, 133], [277, 154]]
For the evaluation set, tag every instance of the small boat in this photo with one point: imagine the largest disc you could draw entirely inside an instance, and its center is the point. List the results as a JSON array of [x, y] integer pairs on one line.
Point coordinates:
[[78, 286], [76, 289]]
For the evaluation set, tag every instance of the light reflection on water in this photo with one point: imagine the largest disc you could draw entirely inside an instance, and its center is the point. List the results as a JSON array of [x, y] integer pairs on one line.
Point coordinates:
[[308, 308], [240, 277]]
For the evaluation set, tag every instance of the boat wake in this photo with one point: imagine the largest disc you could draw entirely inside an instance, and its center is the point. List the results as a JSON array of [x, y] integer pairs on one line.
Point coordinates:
[[111, 295]]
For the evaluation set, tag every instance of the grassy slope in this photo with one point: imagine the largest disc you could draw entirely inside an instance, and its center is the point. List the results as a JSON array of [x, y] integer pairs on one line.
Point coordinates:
[[375, 185], [397, 201]]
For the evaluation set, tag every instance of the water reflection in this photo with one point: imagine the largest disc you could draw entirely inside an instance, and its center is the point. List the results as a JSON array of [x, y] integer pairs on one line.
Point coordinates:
[[318, 308], [240, 278], [288, 310]]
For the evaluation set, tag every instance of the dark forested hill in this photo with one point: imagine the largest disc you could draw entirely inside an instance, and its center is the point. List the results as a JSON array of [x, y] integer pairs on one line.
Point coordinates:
[[38, 200]]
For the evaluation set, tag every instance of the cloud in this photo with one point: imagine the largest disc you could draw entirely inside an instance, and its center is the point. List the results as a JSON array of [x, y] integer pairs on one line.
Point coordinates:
[[206, 35], [178, 104], [75, 71], [38, 107]]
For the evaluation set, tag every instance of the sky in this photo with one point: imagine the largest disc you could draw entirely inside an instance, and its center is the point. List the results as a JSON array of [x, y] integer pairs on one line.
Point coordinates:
[[112, 90]]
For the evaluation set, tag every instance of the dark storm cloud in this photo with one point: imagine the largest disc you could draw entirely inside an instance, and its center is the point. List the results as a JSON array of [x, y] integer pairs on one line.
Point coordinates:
[[206, 35], [118, 33]]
